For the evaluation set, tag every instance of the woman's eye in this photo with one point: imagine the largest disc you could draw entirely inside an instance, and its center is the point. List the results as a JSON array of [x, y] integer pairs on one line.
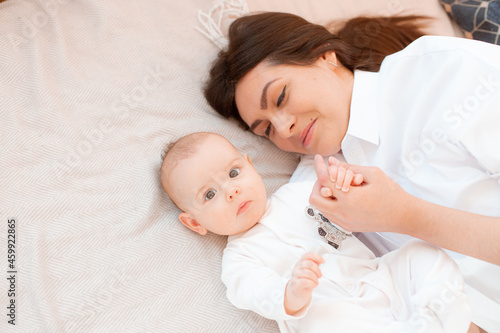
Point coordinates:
[[282, 97], [267, 131], [234, 172], [210, 194]]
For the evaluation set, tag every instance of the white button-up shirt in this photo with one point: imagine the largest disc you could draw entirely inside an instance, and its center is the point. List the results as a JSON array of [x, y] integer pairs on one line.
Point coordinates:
[[430, 119], [417, 288]]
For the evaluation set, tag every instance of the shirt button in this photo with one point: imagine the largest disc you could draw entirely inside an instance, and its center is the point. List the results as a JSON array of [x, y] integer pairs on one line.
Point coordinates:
[[353, 153]]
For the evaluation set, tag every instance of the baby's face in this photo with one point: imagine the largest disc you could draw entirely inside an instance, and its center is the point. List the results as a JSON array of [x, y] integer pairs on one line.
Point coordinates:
[[220, 188]]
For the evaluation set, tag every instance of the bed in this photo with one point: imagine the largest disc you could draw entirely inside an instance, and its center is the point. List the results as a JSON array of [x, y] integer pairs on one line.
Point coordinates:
[[91, 92]]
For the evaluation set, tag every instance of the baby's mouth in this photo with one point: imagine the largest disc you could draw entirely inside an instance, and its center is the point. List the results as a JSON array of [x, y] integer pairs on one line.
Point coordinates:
[[243, 207]]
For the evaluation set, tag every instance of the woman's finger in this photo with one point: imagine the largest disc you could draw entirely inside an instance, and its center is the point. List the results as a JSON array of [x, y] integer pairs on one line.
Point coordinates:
[[321, 170]]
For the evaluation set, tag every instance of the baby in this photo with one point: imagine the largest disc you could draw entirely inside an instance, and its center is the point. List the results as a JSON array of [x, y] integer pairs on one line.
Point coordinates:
[[277, 262]]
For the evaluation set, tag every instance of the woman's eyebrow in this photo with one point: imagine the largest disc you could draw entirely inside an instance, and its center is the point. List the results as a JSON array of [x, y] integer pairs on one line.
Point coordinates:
[[255, 124], [263, 98]]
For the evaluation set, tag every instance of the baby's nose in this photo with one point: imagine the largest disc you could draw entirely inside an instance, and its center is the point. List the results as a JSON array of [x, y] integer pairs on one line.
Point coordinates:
[[233, 192]]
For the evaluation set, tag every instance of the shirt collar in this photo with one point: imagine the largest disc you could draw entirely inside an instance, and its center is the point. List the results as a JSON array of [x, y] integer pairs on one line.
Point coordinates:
[[363, 120]]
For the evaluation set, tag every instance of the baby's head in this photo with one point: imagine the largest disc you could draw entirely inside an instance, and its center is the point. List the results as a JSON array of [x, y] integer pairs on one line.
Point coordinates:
[[216, 187]]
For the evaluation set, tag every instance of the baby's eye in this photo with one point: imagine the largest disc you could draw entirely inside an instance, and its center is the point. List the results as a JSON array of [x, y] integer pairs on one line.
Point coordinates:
[[210, 194], [234, 172]]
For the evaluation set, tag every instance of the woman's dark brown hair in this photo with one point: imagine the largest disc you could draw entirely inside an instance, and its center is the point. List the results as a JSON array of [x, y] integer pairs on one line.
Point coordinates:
[[282, 38]]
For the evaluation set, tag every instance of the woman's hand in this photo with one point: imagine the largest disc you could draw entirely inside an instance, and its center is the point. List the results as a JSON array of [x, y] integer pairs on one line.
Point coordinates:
[[377, 204]]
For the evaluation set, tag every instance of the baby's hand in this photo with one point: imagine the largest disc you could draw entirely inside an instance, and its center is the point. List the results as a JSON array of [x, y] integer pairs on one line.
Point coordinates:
[[341, 176], [305, 276]]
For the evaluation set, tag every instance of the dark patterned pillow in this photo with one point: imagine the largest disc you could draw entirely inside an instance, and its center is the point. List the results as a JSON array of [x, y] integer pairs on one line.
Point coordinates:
[[479, 19]]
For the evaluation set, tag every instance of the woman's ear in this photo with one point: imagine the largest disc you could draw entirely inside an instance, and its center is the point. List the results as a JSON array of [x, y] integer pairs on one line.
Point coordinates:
[[330, 57], [191, 223]]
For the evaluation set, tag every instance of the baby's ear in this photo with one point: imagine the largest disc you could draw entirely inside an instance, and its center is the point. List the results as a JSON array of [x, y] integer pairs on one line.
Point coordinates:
[[191, 223], [247, 158]]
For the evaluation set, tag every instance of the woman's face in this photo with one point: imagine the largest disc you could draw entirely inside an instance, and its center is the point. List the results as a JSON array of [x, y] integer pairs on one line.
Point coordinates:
[[303, 109]]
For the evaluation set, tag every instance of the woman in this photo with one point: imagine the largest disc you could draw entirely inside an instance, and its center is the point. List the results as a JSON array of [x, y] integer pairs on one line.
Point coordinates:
[[428, 117]]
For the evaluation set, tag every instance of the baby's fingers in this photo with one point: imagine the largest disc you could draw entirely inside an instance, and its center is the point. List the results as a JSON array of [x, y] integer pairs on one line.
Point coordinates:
[[341, 173], [307, 278], [349, 176], [314, 257], [332, 171], [311, 267], [326, 192], [308, 266], [336, 173]]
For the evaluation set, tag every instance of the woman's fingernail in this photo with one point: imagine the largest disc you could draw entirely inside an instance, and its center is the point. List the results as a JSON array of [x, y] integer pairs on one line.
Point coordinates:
[[345, 189]]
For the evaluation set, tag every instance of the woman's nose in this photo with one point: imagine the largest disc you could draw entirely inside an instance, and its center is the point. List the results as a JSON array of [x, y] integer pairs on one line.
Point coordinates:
[[284, 124]]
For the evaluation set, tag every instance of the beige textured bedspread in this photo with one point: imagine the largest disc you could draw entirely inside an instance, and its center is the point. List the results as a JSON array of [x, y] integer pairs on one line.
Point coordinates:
[[91, 91]]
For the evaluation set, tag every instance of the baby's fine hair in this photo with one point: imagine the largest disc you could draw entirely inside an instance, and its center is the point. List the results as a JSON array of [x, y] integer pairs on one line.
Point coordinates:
[[177, 151], [184, 147]]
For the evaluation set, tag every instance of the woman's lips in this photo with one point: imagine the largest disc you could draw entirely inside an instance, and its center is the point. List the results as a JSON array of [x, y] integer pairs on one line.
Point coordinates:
[[243, 207], [306, 135]]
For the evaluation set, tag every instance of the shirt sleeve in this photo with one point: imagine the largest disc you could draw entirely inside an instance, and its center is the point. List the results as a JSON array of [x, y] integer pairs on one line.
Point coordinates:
[[482, 137], [251, 285], [479, 110], [471, 117]]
